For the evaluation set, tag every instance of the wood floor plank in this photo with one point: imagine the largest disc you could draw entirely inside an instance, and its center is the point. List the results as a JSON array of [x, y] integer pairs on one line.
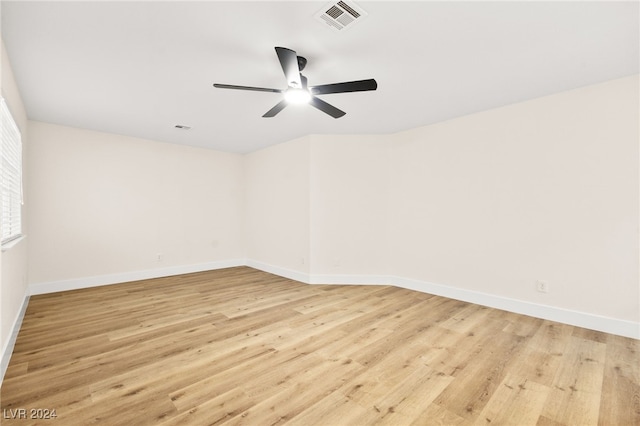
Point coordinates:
[[307, 388], [516, 401], [239, 346], [621, 375], [466, 319], [437, 415], [333, 409], [480, 376], [577, 389], [402, 403]]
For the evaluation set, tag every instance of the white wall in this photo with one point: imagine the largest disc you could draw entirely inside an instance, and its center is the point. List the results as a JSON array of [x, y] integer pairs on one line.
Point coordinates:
[[349, 192], [316, 207], [106, 204], [541, 190], [13, 262], [277, 207]]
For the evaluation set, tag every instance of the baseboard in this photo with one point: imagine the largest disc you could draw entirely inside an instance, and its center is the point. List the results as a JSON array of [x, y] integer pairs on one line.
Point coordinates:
[[95, 281], [304, 277], [277, 270], [565, 316], [552, 313], [7, 350], [351, 279]]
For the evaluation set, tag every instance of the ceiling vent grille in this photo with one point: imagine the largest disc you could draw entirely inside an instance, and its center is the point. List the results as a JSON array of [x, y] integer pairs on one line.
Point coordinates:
[[340, 15]]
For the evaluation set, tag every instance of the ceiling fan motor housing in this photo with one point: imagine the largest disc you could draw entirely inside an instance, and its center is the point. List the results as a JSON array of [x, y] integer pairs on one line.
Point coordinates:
[[302, 62]]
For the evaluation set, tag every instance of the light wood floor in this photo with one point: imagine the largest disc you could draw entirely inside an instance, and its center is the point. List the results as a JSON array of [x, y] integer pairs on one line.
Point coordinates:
[[240, 346]]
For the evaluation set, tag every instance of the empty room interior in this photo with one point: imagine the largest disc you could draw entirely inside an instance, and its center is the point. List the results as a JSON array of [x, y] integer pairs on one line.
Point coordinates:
[[301, 212]]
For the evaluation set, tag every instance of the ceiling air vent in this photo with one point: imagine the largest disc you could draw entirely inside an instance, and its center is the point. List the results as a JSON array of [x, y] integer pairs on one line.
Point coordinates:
[[340, 15]]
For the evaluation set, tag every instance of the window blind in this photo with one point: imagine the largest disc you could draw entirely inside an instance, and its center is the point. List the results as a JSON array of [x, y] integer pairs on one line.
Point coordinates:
[[11, 175]]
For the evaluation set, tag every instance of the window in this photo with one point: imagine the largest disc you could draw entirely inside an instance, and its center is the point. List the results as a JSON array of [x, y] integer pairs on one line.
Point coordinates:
[[11, 175]]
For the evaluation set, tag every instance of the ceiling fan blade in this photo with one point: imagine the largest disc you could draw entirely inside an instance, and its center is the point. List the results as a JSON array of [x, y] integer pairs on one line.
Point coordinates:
[[326, 108], [255, 89], [289, 62], [349, 86], [276, 109]]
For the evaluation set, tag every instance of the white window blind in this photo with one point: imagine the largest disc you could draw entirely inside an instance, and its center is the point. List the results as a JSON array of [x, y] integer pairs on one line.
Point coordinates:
[[11, 174]]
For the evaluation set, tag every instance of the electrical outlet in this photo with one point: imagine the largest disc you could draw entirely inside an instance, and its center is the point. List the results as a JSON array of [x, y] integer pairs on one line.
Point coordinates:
[[160, 257], [542, 286]]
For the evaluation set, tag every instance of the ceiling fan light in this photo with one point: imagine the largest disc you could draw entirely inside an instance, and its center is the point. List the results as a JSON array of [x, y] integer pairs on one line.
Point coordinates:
[[297, 96]]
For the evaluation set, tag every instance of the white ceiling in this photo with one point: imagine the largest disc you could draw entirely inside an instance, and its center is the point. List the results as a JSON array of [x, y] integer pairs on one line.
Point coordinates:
[[140, 68]]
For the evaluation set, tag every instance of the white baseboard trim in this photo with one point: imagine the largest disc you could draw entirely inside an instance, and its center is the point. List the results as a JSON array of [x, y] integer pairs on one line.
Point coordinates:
[[566, 316], [7, 350], [552, 313], [277, 270], [95, 281], [350, 279]]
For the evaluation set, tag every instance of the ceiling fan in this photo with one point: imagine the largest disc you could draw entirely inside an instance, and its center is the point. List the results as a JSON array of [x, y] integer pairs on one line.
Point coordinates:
[[298, 91]]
